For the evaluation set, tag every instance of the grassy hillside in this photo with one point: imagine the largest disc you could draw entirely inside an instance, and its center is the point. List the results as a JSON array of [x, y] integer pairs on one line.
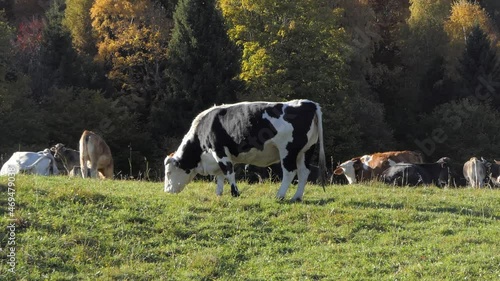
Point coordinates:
[[75, 229]]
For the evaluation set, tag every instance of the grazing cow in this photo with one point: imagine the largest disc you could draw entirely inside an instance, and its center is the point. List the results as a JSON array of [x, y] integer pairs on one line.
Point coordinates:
[[40, 163], [475, 172], [257, 133], [96, 155], [371, 166], [416, 174], [67, 156]]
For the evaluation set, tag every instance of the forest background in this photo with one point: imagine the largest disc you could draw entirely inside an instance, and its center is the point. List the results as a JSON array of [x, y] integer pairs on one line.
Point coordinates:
[[389, 74]]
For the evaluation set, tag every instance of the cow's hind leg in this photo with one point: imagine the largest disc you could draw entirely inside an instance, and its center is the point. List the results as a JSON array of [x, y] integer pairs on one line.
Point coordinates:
[[83, 167], [93, 170], [289, 167], [303, 171]]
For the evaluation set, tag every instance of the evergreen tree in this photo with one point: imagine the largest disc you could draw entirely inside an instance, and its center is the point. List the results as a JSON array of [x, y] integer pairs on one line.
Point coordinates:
[[56, 53], [435, 87], [478, 67], [202, 61]]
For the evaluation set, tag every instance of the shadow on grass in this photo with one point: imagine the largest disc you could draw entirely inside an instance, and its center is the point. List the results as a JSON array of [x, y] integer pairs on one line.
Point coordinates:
[[463, 211], [317, 202], [376, 205]]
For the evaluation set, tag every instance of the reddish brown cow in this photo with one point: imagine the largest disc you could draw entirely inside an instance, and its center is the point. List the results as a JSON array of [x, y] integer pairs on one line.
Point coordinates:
[[368, 167], [96, 155]]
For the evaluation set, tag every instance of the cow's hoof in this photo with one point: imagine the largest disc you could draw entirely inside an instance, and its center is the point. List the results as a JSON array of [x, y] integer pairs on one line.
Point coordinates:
[[234, 191], [296, 200]]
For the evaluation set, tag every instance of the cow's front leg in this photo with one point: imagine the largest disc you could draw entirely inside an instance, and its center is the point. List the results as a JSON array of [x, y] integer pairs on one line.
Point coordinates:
[[226, 166], [220, 185], [228, 171]]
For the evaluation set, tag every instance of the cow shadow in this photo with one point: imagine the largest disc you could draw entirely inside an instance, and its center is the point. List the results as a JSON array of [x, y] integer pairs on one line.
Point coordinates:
[[485, 213], [315, 202]]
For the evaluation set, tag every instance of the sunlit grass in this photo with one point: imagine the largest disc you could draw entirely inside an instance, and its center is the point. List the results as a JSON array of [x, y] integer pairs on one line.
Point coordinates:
[[76, 229]]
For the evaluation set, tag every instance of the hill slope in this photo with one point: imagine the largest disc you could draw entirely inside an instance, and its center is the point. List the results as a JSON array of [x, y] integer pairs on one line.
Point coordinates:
[[75, 229]]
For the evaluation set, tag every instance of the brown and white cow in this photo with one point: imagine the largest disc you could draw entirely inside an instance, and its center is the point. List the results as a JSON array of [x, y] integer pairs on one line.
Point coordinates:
[[371, 166], [96, 155]]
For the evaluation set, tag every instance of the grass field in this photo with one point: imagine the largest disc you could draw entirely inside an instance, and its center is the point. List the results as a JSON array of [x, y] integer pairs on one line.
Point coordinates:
[[75, 229]]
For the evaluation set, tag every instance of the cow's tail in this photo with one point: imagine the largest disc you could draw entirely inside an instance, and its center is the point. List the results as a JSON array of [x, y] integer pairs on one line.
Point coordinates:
[[322, 159], [84, 154], [476, 174]]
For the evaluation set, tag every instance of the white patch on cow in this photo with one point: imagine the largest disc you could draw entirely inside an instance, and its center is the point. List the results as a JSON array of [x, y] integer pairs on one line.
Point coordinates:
[[208, 165], [348, 168], [261, 158], [284, 129], [391, 163], [365, 160]]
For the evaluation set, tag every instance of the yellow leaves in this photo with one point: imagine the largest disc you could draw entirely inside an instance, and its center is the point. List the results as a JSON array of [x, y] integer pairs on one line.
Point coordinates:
[[464, 16], [132, 37], [255, 61]]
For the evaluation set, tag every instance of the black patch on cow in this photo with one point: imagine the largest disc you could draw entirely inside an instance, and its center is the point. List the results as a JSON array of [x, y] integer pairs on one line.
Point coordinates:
[[191, 155], [275, 111], [308, 156], [300, 118], [226, 168], [239, 128]]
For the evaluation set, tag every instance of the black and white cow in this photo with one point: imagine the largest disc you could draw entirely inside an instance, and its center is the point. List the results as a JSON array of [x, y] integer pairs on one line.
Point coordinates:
[[257, 133], [416, 174]]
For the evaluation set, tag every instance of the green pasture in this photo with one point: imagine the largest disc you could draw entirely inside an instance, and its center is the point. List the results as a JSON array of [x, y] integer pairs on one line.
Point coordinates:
[[83, 229]]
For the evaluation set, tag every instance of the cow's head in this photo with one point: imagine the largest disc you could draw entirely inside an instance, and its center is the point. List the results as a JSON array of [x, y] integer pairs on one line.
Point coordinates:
[[349, 169], [176, 178], [444, 174], [57, 150]]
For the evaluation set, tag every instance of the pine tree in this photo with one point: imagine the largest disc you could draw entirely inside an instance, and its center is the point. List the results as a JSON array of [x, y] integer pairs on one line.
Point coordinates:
[[202, 61], [478, 67], [56, 53]]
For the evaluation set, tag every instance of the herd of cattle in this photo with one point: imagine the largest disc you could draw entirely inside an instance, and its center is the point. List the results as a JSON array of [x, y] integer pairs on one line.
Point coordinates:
[[259, 134], [94, 158]]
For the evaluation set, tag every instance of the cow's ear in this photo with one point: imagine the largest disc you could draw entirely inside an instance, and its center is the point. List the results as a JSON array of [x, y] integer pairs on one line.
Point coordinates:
[[172, 160], [169, 160], [338, 171]]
